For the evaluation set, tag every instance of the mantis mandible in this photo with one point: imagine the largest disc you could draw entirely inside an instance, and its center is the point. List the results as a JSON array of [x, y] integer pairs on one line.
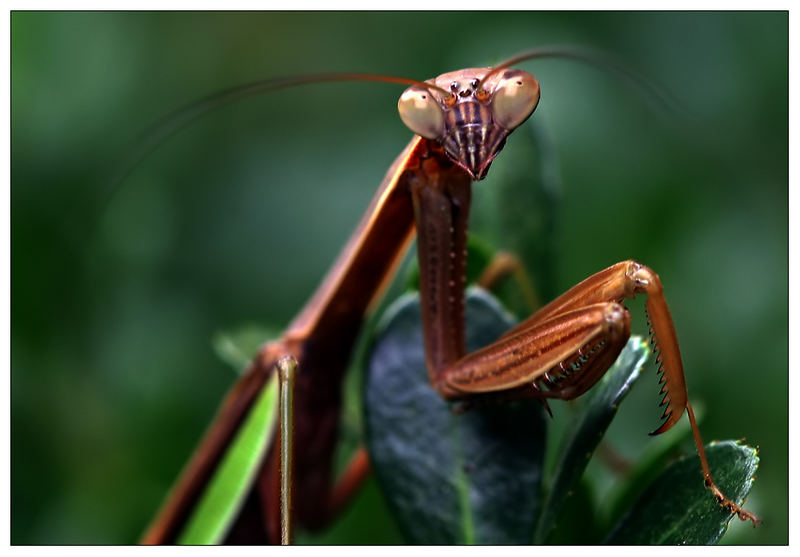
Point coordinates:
[[461, 120]]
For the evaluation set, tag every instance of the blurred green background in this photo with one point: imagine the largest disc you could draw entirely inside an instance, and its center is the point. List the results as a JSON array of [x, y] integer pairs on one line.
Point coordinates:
[[235, 219]]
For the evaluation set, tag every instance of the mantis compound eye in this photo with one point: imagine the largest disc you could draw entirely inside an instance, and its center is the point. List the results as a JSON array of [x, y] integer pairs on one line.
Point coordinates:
[[421, 113], [515, 98]]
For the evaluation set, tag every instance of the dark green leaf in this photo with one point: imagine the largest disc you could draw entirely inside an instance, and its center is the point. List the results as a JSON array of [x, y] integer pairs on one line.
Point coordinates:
[[588, 430], [450, 478], [677, 509]]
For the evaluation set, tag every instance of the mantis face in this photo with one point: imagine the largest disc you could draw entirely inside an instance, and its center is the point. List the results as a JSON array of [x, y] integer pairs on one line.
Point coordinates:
[[473, 120]]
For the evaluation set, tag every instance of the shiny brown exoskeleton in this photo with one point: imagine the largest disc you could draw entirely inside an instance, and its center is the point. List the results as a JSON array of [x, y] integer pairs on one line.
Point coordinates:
[[462, 120]]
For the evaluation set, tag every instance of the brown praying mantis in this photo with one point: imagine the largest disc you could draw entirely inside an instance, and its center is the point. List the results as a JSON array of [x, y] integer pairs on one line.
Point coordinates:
[[461, 120]]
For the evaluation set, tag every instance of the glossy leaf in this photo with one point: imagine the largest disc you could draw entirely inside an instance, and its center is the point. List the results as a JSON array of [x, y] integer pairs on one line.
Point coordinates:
[[589, 428], [450, 478], [676, 509]]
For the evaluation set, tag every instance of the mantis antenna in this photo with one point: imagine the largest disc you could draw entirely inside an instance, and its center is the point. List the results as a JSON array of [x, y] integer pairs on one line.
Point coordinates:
[[185, 115], [179, 119], [598, 59]]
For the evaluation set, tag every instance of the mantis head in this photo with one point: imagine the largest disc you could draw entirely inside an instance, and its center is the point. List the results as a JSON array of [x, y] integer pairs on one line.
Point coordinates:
[[470, 112]]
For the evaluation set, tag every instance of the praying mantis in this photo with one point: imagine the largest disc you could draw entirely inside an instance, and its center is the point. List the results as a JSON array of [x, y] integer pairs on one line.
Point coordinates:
[[461, 121]]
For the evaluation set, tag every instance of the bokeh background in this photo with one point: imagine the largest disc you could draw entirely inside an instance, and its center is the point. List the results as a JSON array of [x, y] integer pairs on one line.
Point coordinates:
[[116, 298]]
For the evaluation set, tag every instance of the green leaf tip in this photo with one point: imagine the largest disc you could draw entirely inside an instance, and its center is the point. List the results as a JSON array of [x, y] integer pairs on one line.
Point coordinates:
[[236, 347]]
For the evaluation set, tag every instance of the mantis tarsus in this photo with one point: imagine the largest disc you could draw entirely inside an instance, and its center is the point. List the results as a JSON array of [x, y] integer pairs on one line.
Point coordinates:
[[462, 120]]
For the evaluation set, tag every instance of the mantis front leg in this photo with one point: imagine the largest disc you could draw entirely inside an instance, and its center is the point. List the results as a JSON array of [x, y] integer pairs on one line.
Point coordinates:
[[559, 352]]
